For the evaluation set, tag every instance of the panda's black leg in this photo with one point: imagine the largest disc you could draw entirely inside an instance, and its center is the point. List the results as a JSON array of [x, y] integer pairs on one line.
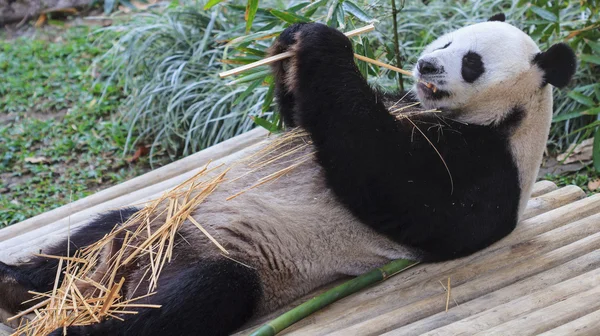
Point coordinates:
[[212, 297], [39, 273]]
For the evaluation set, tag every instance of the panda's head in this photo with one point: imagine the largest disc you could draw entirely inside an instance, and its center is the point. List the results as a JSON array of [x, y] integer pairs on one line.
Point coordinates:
[[488, 66]]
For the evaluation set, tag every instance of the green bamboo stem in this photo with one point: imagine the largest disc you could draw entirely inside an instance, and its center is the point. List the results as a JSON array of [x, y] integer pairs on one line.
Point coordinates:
[[349, 287]]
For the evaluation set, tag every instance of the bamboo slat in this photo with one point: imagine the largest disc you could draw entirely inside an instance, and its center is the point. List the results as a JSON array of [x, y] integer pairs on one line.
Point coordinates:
[[542, 187], [587, 325], [547, 318], [464, 319], [552, 200]]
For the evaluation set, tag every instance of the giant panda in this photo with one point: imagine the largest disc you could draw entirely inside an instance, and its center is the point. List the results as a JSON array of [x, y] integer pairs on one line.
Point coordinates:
[[428, 186]]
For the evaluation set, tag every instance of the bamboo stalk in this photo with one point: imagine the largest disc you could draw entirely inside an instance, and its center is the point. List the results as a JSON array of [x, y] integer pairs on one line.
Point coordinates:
[[349, 287], [286, 54], [381, 64]]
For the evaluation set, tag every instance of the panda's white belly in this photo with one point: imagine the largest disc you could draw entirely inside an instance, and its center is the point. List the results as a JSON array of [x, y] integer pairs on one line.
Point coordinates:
[[292, 230]]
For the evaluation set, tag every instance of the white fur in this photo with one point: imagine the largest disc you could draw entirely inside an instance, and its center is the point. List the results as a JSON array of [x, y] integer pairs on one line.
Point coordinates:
[[510, 79]]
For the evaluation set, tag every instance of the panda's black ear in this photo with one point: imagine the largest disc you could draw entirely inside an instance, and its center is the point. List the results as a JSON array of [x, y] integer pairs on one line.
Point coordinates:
[[558, 64], [498, 17]]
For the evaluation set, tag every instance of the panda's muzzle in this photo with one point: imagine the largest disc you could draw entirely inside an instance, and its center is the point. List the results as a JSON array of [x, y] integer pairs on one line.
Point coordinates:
[[427, 67]]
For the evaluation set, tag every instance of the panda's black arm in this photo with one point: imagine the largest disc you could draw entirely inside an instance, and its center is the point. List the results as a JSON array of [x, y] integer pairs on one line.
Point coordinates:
[[382, 169]]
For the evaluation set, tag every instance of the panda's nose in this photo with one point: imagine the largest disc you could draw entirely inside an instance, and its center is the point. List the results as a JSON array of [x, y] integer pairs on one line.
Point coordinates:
[[427, 67]]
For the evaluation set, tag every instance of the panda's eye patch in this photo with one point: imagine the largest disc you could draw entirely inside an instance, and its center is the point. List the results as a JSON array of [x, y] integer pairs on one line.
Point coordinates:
[[472, 66]]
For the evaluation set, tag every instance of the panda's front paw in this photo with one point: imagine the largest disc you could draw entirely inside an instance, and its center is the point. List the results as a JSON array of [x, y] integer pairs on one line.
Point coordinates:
[[315, 46]]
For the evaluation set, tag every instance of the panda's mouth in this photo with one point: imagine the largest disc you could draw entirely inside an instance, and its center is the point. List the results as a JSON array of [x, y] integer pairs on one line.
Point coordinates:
[[428, 86], [431, 91]]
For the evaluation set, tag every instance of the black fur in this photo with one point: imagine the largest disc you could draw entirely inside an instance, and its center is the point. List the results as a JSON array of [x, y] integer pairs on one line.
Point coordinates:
[[207, 297], [472, 67], [384, 171], [558, 63], [498, 17], [198, 297], [41, 272]]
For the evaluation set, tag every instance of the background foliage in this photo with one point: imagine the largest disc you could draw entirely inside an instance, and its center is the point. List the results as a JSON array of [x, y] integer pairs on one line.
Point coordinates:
[[74, 109]]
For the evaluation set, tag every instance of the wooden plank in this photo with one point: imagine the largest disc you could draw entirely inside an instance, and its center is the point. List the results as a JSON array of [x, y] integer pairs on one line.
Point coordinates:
[[477, 287], [153, 177], [521, 288], [422, 282], [588, 325], [5, 330], [517, 300], [552, 316], [552, 200], [542, 187]]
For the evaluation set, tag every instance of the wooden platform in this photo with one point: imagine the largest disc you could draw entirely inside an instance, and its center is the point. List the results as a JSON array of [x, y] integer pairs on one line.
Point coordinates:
[[542, 279]]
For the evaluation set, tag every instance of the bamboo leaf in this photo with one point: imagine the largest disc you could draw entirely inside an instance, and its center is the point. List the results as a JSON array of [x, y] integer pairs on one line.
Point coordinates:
[[596, 150], [248, 91], [332, 14], [241, 60], [254, 36], [109, 5], [582, 99], [270, 94], [590, 58], [568, 116], [250, 77], [211, 3], [312, 8], [544, 13], [298, 7], [593, 44], [358, 13], [289, 17], [340, 16], [252, 51], [251, 9], [264, 123]]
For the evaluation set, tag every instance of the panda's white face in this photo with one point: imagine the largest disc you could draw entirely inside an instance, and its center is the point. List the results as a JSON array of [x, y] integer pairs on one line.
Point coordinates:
[[465, 66]]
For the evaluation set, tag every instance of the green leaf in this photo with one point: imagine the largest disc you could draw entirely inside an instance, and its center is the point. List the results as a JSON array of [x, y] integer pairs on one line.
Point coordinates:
[[593, 44], [254, 36], [248, 91], [251, 9], [270, 94], [596, 150], [250, 77], [547, 15], [568, 116], [312, 8], [264, 123], [582, 99], [211, 3], [128, 4], [252, 51], [332, 14], [590, 58], [298, 7], [340, 15], [358, 13], [289, 17], [109, 5]]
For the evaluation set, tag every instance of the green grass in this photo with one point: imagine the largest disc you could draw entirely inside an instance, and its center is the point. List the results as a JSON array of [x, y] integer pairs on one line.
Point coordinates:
[[50, 107], [579, 178]]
